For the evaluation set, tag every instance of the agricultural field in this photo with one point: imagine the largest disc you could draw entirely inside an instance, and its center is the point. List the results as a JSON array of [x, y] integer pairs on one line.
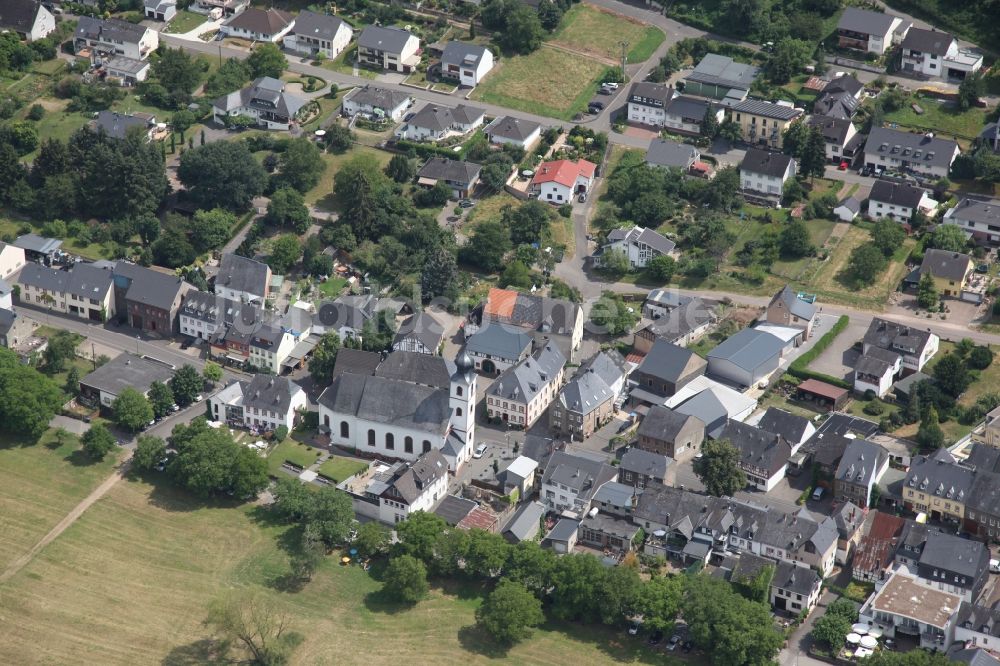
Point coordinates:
[[597, 31]]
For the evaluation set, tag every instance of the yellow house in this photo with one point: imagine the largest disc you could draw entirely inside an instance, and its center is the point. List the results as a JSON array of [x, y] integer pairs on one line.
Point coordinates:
[[763, 123], [950, 271]]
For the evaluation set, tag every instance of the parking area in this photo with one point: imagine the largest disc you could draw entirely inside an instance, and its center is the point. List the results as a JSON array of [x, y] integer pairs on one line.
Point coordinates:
[[839, 358]]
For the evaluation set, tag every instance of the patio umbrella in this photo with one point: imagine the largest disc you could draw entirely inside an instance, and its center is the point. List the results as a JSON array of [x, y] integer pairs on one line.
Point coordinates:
[[860, 628], [869, 642], [853, 638], [345, 560], [875, 632], [353, 551]]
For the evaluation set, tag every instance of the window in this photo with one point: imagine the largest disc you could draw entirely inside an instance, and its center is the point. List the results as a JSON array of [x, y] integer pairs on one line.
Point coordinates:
[[345, 430], [408, 444], [371, 437], [458, 390], [458, 411], [390, 441], [427, 446]]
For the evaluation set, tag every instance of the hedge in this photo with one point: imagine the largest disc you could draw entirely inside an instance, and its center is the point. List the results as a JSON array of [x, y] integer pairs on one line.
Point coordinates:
[[800, 367]]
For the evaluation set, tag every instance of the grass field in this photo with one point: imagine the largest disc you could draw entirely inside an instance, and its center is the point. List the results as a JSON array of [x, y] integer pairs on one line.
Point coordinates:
[[597, 31], [339, 468], [568, 80], [293, 452], [332, 287], [944, 119], [185, 21], [322, 194]]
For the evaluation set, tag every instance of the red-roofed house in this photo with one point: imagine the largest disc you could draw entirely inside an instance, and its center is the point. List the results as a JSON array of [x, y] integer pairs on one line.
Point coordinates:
[[557, 182]]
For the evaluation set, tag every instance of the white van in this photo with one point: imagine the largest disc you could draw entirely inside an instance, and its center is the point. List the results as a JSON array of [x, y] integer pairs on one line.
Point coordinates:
[[818, 494]]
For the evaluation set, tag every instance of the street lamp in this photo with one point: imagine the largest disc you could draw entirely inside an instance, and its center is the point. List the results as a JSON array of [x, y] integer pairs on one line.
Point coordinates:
[[137, 345]]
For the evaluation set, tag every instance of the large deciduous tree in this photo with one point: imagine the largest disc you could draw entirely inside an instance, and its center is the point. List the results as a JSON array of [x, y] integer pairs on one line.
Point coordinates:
[[222, 174], [186, 384], [287, 208], [405, 579], [98, 441], [719, 468], [509, 612], [267, 60], [250, 620], [301, 165], [132, 410]]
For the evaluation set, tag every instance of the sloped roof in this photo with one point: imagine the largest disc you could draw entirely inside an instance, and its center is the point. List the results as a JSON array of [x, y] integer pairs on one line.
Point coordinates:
[[456, 171], [722, 70], [522, 382], [265, 93], [664, 153], [795, 305], [261, 21], [952, 266], [917, 148], [927, 41], [897, 193], [463, 53], [243, 274], [507, 342], [865, 22], [665, 423], [355, 361], [320, 26], [417, 368], [792, 426], [441, 118], [585, 393], [514, 129], [150, 287], [271, 393], [109, 30], [764, 162], [637, 234], [84, 280], [422, 326], [653, 465], [394, 403], [671, 362], [380, 98], [757, 107], [384, 38], [563, 172], [748, 349], [19, 15], [861, 460], [127, 371]]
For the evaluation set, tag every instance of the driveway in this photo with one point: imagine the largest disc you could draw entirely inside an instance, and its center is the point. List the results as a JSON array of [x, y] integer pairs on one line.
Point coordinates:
[[839, 358]]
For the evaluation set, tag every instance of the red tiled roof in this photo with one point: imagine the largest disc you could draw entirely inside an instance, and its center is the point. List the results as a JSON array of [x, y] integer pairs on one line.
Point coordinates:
[[500, 302], [823, 389], [479, 518], [563, 172], [877, 548], [635, 357]]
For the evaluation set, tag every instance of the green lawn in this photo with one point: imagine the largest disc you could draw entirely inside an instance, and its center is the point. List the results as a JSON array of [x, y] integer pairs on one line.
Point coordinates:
[[943, 119], [568, 80], [49, 67], [339, 468], [322, 194], [185, 21], [332, 287], [599, 31], [293, 452], [344, 63]]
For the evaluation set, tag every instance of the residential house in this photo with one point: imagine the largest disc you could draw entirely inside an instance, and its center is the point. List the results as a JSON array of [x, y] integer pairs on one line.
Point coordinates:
[[84, 291], [271, 344], [160, 10], [794, 428], [583, 405], [638, 244], [905, 606], [714, 405], [850, 520], [793, 589], [148, 299], [420, 332], [989, 432], [496, 347], [661, 302], [265, 100], [973, 656], [898, 200], [434, 122], [721, 78], [639, 468], [978, 626], [873, 32], [982, 507], [412, 487], [840, 98], [259, 25], [763, 123], [119, 125], [647, 103], [114, 36], [763, 174], [922, 155], [373, 102], [14, 329], [28, 18], [763, 455], [204, 316], [672, 155], [938, 486], [876, 370], [347, 315], [522, 393], [680, 326], [980, 220], [466, 63], [915, 345], [860, 470], [746, 358], [12, 260], [460, 177], [664, 371], [263, 404], [949, 270], [877, 549], [515, 131], [936, 54], [545, 319], [840, 135], [570, 482], [788, 309], [39, 249], [954, 565], [525, 524], [558, 182], [847, 209], [413, 403], [684, 115], [672, 434], [224, 7], [990, 136], [389, 48], [519, 476], [317, 35], [128, 72], [103, 385], [611, 367], [608, 533], [242, 279]]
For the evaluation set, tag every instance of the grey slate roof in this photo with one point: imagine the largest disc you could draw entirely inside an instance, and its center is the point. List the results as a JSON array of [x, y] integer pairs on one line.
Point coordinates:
[[876, 362], [579, 473], [441, 118], [980, 618], [526, 521], [463, 54], [355, 361], [7, 320], [691, 313], [455, 171], [927, 41], [664, 423], [127, 371], [895, 337], [709, 409], [319, 26], [424, 328], [243, 274], [413, 482], [417, 368], [116, 125], [271, 393], [522, 382], [150, 287], [846, 83], [917, 148], [839, 104], [748, 349], [638, 461], [265, 93], [851, 204], [393, 403], [952, 553], [126, 65], [513, 129], [795, 578], [665, 153], [860, 461], [973, 656], [983, 212], [637, 234], [758, 448], [83, 280], [952, 266], [670, 362], [498, 340], [834, 129], [380, 98], [791, 426], [688, 107], [585, 393], [865, 22], [798, 307], [757, 107], [940, 476], [564, 530], [19, 15], [722, 70], [608, 365], [642, 91], [896, 193], [213, 309], [761, 161], [109, 30], [38, 244], [454, 509], [391, 40]]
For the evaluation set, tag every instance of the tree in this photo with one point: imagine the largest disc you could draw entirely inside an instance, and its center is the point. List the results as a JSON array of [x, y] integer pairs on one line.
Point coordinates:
[[248, 619], [549, 14], [951, 375], [72, 385], [730, 131], [267, 60], [574, 581], [210, 229], [178, 73], [661, 268], [756, 587], [212, 372], [709, 126], [405, 579], [373, 539], [285, 252], [487, 246], [929, 434], [338, 138], [733, 630], [60, 351], [132, 410], [28, 399], [309, 555], [149, 451], [433, 197], [795, 240], [612, 316], [659, 602], [287, 208], [615, 263], [831, 629], [182, 121], [927, 296], [301, 165], [209, 462], [222, 174], [232, 75], [324, 358], [161, 398], [516, 275], [173, 249], [292, 500], [865, 264], [486, 554], [186, 384], [494, 176], [973, 87], [331, 515], [527, 222], [94, 155], [419, 535], [795, 138], [723, 191], [719, 468], [439, 277], [789, 57], [888, 236], [509, 612], [400, 168], [947, 237], [980, 358], [523, 31], [98, 441], [812, 161]]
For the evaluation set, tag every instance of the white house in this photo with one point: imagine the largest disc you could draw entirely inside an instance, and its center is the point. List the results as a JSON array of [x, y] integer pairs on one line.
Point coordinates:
[[389, 493], [876, 371], [523, 392], [839, 134], [114, 36], [28, 18], [413, 404], [374, 102], [905, 605], [433, 122], [861, 467], [126, 71], [923, 155], [647, 103], [259, 25], [496, 347], [318, 35], [917, 346], [11, 259], [204, 315], [262, 404], [85, 291], [936, 54], [160, 10], [557, 182], [570, 482], [847, 209], [271, 344], [898, 200], [421, 332], [870, 31], [515, 131], [978, 219], [243, 279], [265, 100], [638, 244], [466, 63], [389, 48], [763, 174]]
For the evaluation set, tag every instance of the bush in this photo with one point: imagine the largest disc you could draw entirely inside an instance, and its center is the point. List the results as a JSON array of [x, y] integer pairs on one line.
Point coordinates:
[[36, 112]]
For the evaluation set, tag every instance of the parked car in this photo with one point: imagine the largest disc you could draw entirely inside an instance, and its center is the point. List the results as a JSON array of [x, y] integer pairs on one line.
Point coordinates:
[[466, 203], [610, 85], [582, 198], [672, 644], [480, 451], [596, 106]]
